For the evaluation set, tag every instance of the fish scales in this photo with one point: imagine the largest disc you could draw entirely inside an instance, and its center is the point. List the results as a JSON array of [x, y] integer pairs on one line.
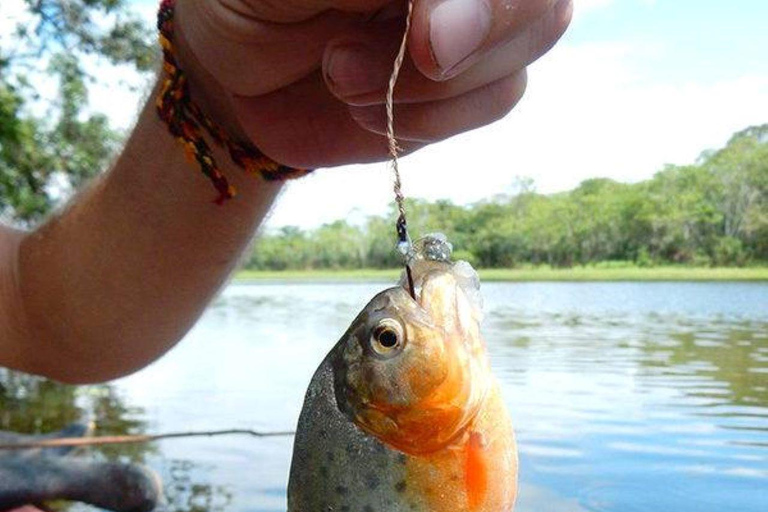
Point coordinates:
[[329, 448], [403, 414]]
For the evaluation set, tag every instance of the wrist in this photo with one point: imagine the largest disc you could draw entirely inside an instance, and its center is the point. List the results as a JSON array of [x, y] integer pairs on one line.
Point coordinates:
[[192, 126], [209, 94]]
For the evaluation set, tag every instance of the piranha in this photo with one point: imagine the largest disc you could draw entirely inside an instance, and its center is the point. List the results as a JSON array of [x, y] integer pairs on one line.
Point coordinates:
[[404, 413]]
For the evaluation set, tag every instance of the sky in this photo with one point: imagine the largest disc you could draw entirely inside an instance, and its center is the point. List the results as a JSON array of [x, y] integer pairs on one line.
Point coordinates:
[[632, 86]]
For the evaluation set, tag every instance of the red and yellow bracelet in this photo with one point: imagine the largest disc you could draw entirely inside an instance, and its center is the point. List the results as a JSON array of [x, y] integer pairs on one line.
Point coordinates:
[[186, 122]]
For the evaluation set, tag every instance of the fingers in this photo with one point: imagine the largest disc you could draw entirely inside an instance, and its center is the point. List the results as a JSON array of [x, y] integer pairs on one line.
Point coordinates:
[[434, 121], [449, 36], [358, 67], [466, 68], [305, 126], [249, 56]]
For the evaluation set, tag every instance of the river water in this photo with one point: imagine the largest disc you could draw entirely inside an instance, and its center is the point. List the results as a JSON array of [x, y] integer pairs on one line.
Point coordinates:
[[625, 396]]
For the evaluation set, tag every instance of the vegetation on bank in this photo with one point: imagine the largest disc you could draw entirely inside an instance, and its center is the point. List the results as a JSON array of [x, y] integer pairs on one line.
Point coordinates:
[[711, 213], [540, 273]]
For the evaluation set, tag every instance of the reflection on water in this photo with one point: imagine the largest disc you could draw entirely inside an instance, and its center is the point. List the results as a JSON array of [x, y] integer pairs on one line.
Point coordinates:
[[626, 397], [35, 405], [638, 397]]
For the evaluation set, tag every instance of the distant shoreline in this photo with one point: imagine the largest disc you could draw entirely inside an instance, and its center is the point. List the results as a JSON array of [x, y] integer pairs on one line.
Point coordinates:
[[575, 274]]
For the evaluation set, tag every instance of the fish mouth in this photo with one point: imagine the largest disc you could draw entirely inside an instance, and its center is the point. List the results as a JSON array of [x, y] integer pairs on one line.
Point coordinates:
[[450, 293], [422, 272]]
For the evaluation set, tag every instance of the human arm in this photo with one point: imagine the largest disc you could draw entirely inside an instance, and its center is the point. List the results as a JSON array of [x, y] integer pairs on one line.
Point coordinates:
[[114, 280], [117, 278]]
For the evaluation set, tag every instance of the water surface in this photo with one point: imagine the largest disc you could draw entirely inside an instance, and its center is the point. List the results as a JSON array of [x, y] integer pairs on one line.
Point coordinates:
[[625, 396]]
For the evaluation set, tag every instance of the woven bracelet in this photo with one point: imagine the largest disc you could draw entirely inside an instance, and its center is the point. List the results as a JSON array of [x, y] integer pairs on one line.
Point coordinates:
[[187, 122]]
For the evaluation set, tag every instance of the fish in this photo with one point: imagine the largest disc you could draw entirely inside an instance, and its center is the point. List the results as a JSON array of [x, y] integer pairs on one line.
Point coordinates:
[[404, 413]]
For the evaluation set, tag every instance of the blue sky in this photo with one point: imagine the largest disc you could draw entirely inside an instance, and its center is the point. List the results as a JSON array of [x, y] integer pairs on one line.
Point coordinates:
[[633, 85], [702, 40]]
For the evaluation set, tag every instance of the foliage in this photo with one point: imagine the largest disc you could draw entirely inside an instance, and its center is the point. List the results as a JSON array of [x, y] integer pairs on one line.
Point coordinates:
[[45, 156], [712, 213]]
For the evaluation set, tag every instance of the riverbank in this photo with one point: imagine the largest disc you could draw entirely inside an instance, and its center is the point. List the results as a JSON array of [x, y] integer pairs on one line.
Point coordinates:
[[589, 273]]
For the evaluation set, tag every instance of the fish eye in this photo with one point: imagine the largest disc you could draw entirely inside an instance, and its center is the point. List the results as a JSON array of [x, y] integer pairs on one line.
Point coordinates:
[[387, 337]]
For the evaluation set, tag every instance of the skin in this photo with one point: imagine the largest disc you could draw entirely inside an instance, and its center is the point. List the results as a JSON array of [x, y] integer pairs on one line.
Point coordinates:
[[418, 427], [116, 278]]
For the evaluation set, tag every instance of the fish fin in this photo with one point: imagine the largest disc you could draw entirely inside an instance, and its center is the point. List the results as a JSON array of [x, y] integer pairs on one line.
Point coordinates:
[[476, 471]]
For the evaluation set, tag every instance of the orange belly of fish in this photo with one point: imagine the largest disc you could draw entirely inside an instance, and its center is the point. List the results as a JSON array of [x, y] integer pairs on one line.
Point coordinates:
[[477, 473]]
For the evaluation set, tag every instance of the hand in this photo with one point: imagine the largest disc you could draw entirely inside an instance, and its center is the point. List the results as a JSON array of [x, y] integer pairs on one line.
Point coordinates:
[[305, 80]]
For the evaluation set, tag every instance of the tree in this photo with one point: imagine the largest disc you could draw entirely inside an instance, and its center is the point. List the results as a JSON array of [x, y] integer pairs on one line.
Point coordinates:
[[740, 171], [44, 157]]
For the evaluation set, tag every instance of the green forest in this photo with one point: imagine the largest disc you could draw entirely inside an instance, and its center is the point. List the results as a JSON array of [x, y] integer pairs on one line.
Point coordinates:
[[711, 213]]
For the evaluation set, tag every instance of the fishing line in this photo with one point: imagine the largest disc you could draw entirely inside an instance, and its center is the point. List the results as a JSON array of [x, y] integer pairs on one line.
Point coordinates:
[[403, 239]]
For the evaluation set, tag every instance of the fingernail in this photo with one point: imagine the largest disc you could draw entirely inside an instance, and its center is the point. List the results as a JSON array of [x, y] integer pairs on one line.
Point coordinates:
[[351, 70], [456, 29]]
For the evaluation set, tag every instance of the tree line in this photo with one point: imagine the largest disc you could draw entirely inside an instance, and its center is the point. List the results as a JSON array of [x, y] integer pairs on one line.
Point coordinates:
[[713, 212]]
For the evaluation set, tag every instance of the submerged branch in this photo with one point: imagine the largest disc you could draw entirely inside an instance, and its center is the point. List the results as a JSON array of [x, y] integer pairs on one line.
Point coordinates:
[[128, 439]]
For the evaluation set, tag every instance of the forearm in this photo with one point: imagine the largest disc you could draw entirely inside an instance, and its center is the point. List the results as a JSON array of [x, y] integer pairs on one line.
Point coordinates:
[[120, 276]]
